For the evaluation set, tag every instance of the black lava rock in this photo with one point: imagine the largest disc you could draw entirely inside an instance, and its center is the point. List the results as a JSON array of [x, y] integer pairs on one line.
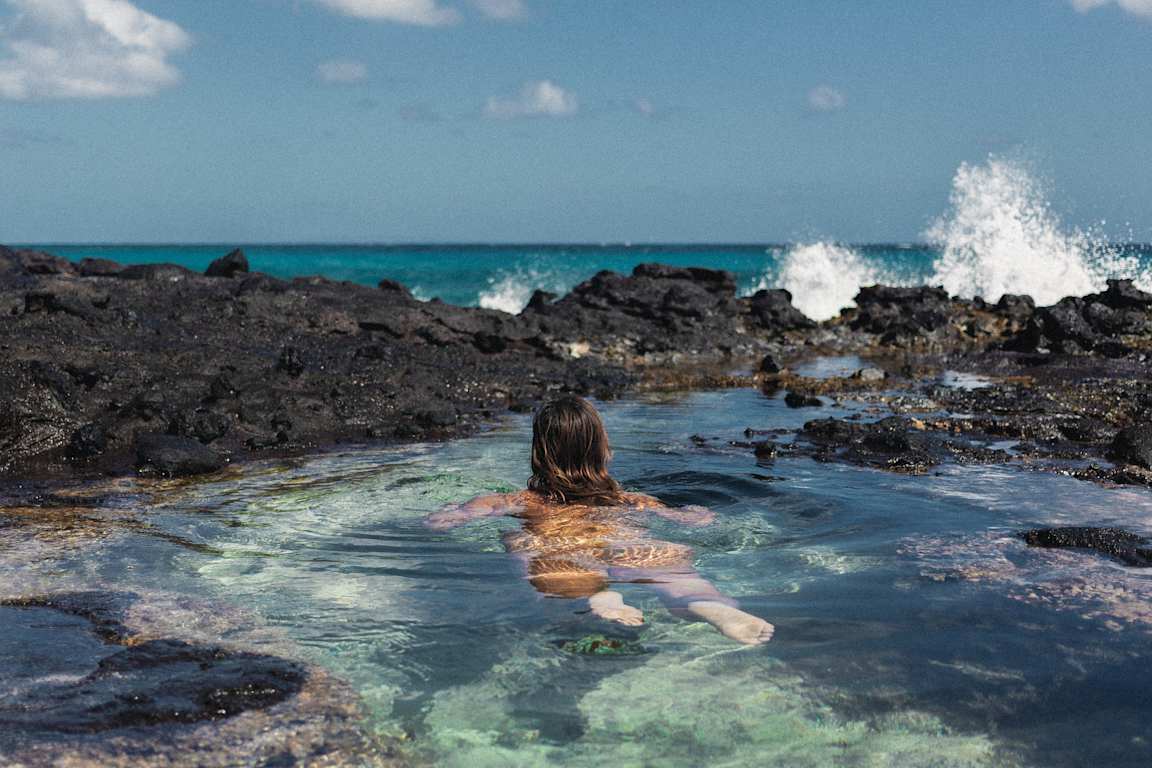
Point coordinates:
[[1133, 446], [1016, 307], [235, 263], [898, 313], [798, 400], [490, 343], [204, 425], [290, 362], [765, 449], [99, 268], [539, 300], [773, 310], [88, 440], [769, 365], [1122, 294], [152, 683], [391, 286], [175, 455], [1125, 546], [167, 273]]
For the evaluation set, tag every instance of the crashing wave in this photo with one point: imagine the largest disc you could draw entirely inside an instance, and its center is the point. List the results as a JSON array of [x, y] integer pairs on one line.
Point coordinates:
[[1001, 236]]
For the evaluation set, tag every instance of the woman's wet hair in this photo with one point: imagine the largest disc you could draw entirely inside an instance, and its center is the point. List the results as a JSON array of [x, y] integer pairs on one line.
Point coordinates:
[[570, 454]]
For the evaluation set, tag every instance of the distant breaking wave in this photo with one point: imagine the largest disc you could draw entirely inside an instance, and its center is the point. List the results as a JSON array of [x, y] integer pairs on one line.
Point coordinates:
[[510, 291], [822, 277]]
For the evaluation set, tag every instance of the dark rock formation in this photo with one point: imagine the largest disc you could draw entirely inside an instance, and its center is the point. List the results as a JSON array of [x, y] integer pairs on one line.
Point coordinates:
[[88, 440], [155, 683], [1125, 546], [1106, 323], [660, 314], [96, 354], [235, 263], [895, 313], [891, 443], [884, 444], [1133, 446], [773, 310], [923, 315], [800, 400], [1016, 307], [769, 365], [175, 455], [253, 363]]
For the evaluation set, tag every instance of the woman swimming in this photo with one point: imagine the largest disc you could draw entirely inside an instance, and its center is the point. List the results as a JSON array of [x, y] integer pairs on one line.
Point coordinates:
[[580, 531]]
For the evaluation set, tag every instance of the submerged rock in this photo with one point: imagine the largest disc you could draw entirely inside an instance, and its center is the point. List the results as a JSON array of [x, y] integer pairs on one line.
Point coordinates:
[[154, 683], [885, 444], [117, 679], [1127, 547]]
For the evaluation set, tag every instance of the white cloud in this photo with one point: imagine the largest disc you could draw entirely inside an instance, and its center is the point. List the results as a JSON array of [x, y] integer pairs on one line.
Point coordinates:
[[500, 9], [425, 13], [1137, 7], [539, 98], [86, 49], [341, 71], [825, 98]]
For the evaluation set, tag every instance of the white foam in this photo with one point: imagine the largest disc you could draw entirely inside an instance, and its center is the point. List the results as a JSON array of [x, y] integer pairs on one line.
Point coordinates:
[[510, 291], [822, 277], [1001, 236]]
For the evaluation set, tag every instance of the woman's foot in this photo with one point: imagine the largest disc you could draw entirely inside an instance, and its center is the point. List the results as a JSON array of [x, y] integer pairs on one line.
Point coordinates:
[[733, 623], [610, 605]]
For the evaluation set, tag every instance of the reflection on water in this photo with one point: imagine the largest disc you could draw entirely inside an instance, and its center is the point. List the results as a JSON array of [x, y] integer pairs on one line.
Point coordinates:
[[912, 629]]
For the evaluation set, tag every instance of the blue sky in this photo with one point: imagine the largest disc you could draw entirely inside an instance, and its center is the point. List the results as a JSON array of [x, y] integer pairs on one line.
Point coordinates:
[[559, 120]]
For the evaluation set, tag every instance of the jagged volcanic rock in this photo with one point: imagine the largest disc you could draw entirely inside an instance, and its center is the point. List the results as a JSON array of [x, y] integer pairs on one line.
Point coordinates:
[[97, 354]]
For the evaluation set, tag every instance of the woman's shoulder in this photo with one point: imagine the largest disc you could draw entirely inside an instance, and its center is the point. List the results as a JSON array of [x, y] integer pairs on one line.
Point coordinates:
[[641, 500]]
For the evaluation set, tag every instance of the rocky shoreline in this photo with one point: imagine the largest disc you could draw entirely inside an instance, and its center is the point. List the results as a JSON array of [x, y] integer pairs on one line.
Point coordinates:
[[112, 369]]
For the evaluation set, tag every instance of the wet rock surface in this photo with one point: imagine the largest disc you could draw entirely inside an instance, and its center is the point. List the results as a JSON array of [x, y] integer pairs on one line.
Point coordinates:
[[1115, 323], [1129, 548], [88, 682], [1083, 415]]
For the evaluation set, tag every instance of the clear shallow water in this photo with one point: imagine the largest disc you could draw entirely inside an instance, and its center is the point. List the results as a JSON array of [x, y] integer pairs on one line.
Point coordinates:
[[911, 628]]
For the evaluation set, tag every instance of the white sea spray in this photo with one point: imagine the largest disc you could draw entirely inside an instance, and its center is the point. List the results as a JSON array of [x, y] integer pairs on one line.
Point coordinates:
[[1000, 235]]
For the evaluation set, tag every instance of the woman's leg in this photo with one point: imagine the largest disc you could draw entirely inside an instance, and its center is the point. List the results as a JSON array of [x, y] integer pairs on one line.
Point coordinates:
[[690, 596], [559, 577]]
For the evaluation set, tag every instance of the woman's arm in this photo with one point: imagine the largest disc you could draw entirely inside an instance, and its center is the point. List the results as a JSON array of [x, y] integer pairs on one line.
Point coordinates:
[[694, 514], [492, 505]]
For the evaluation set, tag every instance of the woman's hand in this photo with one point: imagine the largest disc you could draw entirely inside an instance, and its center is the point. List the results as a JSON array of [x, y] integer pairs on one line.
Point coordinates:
[[449, 517], [491, 505]]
